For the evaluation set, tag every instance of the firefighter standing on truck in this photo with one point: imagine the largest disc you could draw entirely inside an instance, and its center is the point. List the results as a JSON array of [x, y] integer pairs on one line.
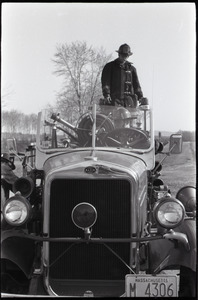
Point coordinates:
[[120, 84]]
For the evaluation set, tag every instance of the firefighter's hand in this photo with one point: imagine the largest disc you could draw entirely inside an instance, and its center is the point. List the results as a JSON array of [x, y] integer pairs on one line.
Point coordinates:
[[143, 101], [107, 99]]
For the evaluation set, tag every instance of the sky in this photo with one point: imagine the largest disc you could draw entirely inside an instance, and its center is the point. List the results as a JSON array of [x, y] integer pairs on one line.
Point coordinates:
[[162, 37]]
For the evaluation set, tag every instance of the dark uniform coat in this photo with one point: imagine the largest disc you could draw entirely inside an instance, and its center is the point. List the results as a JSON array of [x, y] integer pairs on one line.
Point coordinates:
[[120, 81]]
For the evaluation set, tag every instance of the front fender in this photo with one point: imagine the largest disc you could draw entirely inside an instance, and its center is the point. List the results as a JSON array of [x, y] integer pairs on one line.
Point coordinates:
[[166, 253], [20, 251]]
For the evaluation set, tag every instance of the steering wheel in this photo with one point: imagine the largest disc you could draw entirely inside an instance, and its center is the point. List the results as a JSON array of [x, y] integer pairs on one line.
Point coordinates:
[[127, 138], [104, 125]]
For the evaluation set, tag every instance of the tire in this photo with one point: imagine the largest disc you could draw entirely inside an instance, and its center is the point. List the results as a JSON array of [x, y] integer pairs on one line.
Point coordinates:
[[188, 282]]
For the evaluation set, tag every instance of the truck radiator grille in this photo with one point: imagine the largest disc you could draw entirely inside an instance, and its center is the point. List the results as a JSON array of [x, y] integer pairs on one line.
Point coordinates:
[[111, 198]]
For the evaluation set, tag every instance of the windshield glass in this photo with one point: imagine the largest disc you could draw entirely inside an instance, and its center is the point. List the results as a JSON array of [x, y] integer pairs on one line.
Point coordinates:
[[96, 126]]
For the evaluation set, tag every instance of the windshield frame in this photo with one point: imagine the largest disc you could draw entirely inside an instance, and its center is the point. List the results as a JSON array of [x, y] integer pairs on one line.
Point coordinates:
[[93, 145]]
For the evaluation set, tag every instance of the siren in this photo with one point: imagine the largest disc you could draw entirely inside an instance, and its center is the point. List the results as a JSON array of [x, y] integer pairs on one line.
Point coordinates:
[[24, 185], [187, 196]]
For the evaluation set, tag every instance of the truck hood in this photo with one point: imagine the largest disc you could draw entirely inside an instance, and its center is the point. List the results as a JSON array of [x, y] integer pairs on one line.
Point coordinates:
[[82, 158]]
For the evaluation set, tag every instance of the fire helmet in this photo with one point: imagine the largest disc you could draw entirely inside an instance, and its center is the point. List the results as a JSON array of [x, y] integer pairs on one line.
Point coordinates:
[[122, 114], [124, 49]]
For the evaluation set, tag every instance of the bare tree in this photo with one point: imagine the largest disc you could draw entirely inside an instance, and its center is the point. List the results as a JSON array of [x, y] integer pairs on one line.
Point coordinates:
[[7, 92], [11, 121], [33, 123], [5, 121], [14, 121], [81, 67]]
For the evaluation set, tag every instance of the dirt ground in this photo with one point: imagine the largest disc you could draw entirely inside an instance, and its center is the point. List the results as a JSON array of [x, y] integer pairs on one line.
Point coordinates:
[[179, 170]]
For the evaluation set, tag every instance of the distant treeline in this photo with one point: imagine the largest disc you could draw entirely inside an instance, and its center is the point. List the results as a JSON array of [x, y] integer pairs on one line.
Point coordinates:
[[187, 136], [15, 121]]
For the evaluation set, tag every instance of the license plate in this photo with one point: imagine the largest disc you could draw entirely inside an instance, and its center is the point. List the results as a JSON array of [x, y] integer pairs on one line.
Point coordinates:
[[151, 286]]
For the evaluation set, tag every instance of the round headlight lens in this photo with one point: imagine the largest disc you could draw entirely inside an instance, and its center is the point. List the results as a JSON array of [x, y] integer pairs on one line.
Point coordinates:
[[169, 213], [16, 212]]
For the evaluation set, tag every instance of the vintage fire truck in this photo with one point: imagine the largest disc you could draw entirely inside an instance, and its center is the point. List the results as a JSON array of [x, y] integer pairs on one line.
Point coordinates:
[[90, 216]]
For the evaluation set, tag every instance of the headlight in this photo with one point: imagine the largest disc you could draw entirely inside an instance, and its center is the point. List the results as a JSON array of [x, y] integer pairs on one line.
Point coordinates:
[[16, 210], [169, 212], [84, 215]]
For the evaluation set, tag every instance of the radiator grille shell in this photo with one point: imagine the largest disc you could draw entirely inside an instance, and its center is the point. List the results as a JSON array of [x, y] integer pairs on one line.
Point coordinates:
[[112, 200]]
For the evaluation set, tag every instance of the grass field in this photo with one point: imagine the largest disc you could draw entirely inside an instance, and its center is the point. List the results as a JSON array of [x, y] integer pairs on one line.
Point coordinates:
[[179, 170]]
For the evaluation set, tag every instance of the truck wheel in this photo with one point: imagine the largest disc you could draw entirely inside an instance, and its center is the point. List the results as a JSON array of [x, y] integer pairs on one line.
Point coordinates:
[[187, 286]]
